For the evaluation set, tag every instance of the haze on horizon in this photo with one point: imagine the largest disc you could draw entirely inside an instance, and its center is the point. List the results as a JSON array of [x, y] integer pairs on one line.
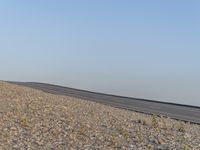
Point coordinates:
[[143, 49]]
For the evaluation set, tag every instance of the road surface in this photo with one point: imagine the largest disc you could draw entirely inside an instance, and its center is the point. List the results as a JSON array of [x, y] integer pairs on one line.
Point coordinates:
[[176, 111]]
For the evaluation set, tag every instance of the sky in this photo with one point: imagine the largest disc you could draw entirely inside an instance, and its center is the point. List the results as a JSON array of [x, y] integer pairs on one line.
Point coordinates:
[[143, 49]]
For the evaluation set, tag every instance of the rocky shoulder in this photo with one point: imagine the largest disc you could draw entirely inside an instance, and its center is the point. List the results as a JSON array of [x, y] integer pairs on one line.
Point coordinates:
[[32, 119]]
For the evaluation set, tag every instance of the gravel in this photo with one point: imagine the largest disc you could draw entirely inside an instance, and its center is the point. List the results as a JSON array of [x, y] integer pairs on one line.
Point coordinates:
[[32, 119]]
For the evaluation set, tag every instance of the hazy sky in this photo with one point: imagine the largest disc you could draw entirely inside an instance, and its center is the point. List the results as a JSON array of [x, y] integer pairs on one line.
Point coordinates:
[[144, 49]]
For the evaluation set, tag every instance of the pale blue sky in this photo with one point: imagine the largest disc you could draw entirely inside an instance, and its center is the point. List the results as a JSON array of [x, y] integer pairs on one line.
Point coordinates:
[[144, 49]]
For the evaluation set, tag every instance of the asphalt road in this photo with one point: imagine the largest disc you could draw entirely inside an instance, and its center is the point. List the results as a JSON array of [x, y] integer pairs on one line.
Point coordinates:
[[176, 111]]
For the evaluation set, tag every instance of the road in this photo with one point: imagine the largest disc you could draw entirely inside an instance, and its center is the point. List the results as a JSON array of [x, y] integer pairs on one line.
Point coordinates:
[[175, 111]]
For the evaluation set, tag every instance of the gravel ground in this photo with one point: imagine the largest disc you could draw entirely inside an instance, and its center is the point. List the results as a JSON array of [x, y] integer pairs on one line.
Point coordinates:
[[32, 119]]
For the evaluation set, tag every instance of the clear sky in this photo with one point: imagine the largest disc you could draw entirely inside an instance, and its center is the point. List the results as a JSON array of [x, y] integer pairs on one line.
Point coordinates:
[[145, 49]]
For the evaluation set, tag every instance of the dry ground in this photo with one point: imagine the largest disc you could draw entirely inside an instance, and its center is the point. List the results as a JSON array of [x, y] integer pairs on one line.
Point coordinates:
[[32, 119]]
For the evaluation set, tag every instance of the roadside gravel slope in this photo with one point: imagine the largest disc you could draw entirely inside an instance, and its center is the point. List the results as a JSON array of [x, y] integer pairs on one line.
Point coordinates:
[[32, 119]]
